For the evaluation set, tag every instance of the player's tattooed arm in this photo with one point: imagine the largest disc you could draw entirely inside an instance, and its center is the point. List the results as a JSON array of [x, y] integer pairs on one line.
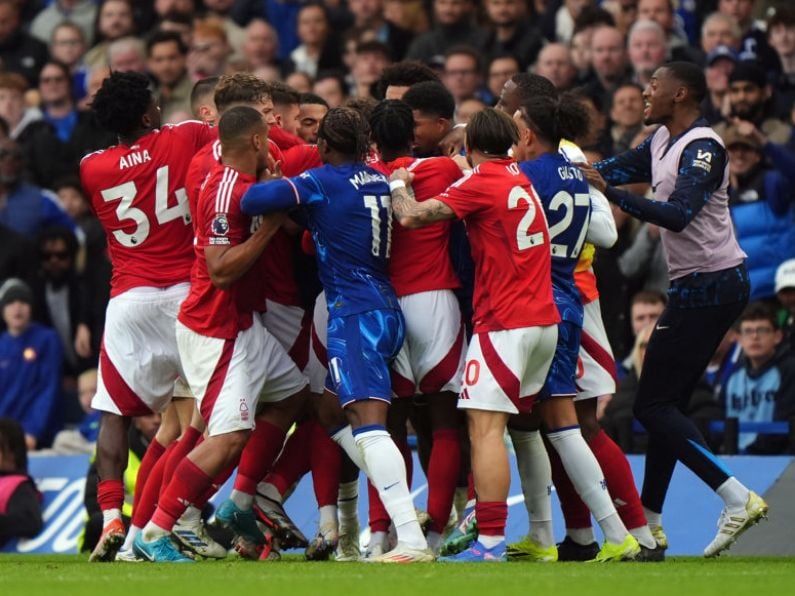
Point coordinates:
[[409, 212]]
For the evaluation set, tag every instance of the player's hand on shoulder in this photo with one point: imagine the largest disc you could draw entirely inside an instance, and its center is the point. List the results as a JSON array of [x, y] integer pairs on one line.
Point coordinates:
[[593, 176], [403, 175]]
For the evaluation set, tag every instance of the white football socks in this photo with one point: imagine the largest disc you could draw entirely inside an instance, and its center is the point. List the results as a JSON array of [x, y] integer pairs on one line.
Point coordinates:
[[734, 494], [130, 538], [242, 500], [535, 474], [653, 518], [586, 476], [387, 472], [267, 489], [344, 438], [108, 515]]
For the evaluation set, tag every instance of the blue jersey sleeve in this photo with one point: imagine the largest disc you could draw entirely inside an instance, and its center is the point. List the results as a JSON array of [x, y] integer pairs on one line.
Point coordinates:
[[628, 167], [280, 195], [698, 177]]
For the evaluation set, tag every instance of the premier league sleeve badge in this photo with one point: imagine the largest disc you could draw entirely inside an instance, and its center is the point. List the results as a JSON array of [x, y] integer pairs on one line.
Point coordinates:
[[220, 225]]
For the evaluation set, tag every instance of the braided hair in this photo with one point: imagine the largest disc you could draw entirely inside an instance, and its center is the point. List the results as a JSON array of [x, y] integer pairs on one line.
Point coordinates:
[[121, 102], [553, 119], [346, 131], [392, 125]]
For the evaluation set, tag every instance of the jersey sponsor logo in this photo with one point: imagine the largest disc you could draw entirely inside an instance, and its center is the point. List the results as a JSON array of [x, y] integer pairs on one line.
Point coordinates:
[[220, 225], [362, 178], [134, 159], [703, 160], [29, 355]]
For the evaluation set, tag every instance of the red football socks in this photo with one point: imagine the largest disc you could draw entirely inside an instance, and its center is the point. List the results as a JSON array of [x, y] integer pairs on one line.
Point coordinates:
[[443, 469], [263, 447]]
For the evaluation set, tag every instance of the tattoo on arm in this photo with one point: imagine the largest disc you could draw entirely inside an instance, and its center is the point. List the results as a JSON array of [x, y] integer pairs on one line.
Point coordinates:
[[412, 214]]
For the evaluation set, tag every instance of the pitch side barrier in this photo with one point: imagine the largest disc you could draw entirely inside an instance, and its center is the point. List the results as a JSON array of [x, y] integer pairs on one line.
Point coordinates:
[[690, 509]]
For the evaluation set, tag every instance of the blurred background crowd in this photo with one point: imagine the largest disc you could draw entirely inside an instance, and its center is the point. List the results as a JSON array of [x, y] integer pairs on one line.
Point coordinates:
[[54, 54]]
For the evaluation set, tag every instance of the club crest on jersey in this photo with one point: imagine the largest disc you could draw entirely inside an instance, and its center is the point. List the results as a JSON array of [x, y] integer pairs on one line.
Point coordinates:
[[220, 225]]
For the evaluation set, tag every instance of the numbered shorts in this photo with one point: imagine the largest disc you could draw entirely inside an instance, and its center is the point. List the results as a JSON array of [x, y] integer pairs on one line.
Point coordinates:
[[139, 366], [290, 325], [432, 357], [596, 368], [317, 367], [506, 369], [360, 350], [560, 378], [229, 376]]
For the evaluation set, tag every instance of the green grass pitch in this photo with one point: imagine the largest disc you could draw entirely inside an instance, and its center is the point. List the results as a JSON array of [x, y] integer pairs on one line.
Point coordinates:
[[24, 575]]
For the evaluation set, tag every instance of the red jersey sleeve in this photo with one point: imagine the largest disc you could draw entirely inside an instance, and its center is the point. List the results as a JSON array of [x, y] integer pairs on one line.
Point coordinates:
[[465, 197], [195, 133]]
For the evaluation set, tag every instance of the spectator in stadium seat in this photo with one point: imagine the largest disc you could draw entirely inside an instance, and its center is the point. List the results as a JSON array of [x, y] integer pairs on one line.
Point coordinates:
[[235, 35], [626, 116], [20, 501], [500, 70], [330, 85], [719, 29], [763, 388], [720, 65], [555, 63], [68, 46], [761, 203], [749, 99], [261, 44], [463, 74], [24, 208], [509, 30], [452, 26], [22, 121], [781, 33], [609, 64], [566, 19], [80, 12], [166, 58], [368, 15], [785, 292], [30, 367], [114, 21], [646, 50], [209, 50], [319, 49], [127, 54], [753, 44], [468, 108], [372, 57], [676, 42], [19, 51]]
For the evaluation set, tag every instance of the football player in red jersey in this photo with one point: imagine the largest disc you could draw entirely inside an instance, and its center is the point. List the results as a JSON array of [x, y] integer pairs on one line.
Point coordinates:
[[137, 192], [515, 320], [431, 362], [230, 361]]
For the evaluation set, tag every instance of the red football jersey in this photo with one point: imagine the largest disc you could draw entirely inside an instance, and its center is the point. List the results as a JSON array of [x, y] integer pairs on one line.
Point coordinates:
[[138, 193], [509, 239], [420, 258], [209, 310]]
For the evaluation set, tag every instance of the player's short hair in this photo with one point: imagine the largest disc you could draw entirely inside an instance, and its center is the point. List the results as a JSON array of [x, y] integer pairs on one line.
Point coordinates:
[[122, 101], [692, 76], [312, 99], [405, 74], [392, 125], [240, 87], [160, 36], [346, 130], [529, 85], [759, 311], [491, 132], [649, 297], [554, 119], [238, 122], [363, 105], [14, 81], [284, 95], [431, 98], [201, 90]]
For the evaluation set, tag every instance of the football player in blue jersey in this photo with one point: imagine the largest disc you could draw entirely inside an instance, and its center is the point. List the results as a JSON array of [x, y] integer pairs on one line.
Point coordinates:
[[563, 192], [347, 207]]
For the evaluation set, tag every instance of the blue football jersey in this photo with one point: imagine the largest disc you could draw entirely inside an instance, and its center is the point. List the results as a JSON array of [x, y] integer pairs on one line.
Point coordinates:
[[563, 192], [348, 210]]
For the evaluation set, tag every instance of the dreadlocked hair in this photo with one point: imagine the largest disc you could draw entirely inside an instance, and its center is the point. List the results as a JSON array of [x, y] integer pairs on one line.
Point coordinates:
[[121, 102], [392, 125], [346, 131]]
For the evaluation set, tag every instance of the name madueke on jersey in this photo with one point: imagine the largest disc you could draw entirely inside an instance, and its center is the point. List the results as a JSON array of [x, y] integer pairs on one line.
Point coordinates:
[[362, 178], [135, 158]]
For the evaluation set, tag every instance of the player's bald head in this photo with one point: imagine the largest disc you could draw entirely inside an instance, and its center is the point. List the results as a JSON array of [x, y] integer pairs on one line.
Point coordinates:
[[238, 125]]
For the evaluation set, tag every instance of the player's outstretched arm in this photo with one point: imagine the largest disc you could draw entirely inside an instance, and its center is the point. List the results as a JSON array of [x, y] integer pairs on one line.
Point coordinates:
[[226, 264], [410, 213]]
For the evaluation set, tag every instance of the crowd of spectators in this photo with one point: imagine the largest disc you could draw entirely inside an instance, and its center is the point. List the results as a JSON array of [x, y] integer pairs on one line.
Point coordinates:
[[55, 53]]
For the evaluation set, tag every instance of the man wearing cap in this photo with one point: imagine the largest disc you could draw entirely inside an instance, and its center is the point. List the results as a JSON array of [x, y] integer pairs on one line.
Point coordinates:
[[760, 200], [785, 292], [30, 368], [749, 95], [720, 65]]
